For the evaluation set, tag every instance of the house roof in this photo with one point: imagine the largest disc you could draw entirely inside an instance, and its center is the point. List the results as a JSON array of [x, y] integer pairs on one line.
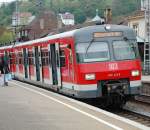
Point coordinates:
[[124, 19], [96, 18], [23, 14], [67, 15], [137, 14]]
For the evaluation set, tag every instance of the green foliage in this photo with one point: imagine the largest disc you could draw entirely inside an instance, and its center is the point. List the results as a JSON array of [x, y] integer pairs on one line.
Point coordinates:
[[124, 7], [6, 37], [82, 9], [6, 13], [80, 16]]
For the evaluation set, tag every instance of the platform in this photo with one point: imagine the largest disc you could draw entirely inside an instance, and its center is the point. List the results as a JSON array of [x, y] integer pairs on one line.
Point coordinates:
[[146, 78], [26, 107]]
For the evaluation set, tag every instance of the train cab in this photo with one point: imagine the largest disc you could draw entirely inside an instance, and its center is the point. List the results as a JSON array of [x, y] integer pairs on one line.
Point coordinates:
[[106, 61]]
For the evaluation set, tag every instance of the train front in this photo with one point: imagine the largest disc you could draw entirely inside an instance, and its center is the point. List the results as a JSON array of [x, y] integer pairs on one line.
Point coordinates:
[[107, 63]]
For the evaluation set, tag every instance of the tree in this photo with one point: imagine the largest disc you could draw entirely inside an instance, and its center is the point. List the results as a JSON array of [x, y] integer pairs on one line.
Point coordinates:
[[124, 7], [80, 16], [6, 37], [80, 8]]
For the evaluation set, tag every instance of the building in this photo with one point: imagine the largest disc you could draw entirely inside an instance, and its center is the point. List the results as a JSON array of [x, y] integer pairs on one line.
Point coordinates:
[[97, 18], [39, 27], [138, 23], [21, 19], [67, 19], [144, 4]]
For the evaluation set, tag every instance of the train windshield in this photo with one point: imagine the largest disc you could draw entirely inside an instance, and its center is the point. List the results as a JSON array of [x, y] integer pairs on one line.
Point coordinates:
[[96, 52], [124, 50]]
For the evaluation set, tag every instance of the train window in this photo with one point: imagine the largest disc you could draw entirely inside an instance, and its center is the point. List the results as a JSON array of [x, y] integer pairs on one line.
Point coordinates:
[[62, 58], [20, 58], [31, 58], [124, 50], [12, 58], [45, 57], [92, 52], [70, 57]]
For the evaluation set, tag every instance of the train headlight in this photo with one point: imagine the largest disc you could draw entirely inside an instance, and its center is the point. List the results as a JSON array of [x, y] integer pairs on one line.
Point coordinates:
[[89, 76], [107, 27], [135, 73]]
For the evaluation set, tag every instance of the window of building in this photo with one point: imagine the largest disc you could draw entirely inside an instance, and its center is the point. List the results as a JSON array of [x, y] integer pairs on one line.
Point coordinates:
[[136, 28], [41, 23]]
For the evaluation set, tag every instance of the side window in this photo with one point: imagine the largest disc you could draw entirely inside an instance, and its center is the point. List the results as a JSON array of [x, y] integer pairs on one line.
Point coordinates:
[[62, 58], [70, 57], [31, 58], [45, 57], [20, 58], [11, 58]]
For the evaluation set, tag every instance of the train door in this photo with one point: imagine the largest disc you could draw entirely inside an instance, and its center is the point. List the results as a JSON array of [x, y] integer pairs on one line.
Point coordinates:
[[37, 64], [50, 64], [45, 68], [7, 54], [26, 69], [55, 64], [31, 61], [70, 65], [17, 62]]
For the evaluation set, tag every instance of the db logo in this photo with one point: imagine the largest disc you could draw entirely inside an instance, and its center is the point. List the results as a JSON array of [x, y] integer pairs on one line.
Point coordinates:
[[113, 66]]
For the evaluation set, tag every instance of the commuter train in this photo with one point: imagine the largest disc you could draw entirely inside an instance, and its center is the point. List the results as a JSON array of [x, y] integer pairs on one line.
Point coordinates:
[[94, 62]]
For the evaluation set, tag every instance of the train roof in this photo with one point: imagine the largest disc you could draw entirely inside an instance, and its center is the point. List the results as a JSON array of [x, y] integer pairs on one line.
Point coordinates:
[[82, 34], [86, 34], [6, 47]]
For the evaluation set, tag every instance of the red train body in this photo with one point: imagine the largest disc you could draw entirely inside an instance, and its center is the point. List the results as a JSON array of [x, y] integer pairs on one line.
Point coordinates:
[[92, 62]]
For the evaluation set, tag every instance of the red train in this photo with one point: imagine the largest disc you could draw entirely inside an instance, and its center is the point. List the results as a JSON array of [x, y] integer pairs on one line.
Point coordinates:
[[96, 62]]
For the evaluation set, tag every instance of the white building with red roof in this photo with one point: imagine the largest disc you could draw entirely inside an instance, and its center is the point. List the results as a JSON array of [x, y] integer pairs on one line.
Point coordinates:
[[67, 18]]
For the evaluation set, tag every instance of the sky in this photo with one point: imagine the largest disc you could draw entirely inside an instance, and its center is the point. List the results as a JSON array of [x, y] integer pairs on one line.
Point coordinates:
[[1, 1], [6, 0]]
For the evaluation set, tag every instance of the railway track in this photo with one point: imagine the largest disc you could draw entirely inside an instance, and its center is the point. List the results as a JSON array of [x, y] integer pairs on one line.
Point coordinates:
[[145, 120], [145, 90], [143, 98], [134, 115], [137, 111]]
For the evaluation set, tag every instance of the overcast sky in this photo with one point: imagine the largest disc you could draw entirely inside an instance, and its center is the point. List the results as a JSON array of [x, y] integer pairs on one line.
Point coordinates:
[[6, 1]]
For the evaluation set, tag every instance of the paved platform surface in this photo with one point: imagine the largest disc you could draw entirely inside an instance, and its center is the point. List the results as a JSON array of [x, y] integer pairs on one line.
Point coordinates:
[[146, 78], [25, 107]]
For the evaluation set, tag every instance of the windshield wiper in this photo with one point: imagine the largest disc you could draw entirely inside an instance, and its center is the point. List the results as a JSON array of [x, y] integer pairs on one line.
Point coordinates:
[[89, 46]]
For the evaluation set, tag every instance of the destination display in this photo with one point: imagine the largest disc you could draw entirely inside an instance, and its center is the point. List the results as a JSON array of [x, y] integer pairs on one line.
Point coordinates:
[[107, 34]]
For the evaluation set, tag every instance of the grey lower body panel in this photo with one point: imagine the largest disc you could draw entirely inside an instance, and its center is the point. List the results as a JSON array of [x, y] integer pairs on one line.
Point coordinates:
[[87, 94], [79, 94]]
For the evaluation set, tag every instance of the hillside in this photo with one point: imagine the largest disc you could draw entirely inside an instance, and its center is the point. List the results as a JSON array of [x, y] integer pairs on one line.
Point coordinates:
[[82, 9]]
